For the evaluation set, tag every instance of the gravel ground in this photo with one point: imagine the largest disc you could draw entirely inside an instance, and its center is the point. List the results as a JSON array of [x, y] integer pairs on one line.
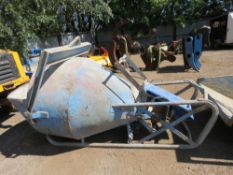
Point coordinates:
[[24, 151]]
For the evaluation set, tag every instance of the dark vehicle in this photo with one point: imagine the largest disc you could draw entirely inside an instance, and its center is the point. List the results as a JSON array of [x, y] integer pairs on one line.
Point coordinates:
[[221, 30]]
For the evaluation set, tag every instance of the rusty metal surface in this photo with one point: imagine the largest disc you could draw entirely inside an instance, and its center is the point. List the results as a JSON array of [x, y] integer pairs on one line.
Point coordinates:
[[223, 85]]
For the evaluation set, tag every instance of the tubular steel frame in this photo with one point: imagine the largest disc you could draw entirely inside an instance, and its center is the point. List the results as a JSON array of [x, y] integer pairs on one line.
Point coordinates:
[[202, 105]]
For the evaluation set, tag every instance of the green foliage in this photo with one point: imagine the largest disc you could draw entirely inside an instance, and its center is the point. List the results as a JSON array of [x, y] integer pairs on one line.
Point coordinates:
[[155, 12], [98, 12], [177, 12], [134, 13], [151, 13], [23, 19], [216, 7], [95, 8], [20, 20]]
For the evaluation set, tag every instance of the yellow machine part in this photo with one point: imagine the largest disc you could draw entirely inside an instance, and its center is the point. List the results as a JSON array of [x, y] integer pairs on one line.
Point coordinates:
[[101, 59], [23, 78]]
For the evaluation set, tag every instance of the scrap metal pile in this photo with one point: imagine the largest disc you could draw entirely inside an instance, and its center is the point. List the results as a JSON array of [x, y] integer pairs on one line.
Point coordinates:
[[74, 97]]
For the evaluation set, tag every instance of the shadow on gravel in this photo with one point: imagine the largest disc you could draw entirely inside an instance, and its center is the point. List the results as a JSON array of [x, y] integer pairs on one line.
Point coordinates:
[[4, 116], [171, 69], [22, 139], [217, 149]]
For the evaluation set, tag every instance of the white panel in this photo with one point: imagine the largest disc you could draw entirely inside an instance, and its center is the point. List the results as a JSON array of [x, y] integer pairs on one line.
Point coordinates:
[[229, 36]]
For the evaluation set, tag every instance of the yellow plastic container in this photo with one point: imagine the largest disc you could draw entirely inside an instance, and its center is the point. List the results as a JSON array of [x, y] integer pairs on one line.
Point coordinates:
[[103, 58]]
